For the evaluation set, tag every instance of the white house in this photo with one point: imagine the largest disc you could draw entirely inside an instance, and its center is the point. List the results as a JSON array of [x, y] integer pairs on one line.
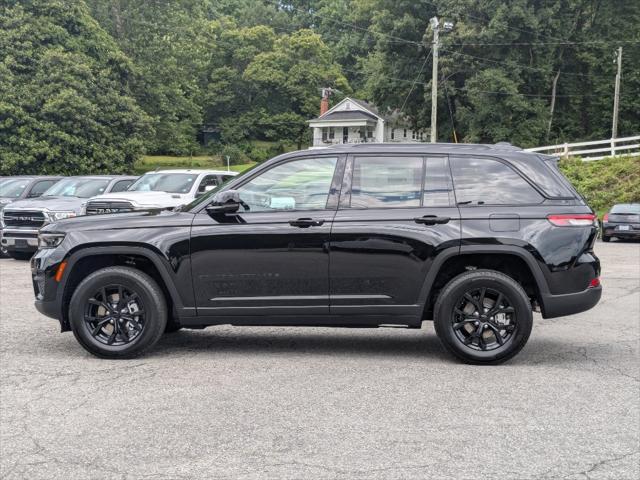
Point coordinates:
[[356, 121]]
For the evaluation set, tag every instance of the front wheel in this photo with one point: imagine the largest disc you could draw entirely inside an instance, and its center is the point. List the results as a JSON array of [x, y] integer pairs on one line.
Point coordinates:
[[483, 317], [117, 312]]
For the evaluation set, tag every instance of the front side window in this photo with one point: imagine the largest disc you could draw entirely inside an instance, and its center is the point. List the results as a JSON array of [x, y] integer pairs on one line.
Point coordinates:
[[485, 181], [297, 185], [386, 182], [78, 187], [165, 182]]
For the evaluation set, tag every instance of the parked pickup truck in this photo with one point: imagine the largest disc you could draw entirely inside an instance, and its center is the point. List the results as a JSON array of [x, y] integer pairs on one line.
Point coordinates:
[[13, 189], [161, 189], [22, 219]]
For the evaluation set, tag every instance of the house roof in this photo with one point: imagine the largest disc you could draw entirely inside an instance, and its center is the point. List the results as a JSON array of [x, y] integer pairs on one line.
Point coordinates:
[[347, 115]]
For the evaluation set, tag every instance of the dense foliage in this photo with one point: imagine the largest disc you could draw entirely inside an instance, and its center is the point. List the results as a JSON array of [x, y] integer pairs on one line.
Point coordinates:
[[605, 182], [65, 105], [90, 84]]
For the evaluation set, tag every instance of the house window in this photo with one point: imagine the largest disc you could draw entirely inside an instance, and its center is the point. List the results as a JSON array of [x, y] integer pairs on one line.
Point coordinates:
[[393, 133], [413, 134], [369, 132], [324, 134], [405, 133], [332, 133]]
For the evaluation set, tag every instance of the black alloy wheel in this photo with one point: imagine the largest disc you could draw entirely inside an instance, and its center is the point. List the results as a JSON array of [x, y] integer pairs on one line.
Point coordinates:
[[118, 312], [114, 315], [483, 317]]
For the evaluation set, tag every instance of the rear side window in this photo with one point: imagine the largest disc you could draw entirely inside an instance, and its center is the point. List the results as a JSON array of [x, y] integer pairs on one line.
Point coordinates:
[[386, 182], [41, 187], [486, 181], [438, 191]]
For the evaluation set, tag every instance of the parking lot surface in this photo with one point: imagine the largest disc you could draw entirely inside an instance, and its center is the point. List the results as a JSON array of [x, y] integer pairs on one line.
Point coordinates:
[[319, 403]]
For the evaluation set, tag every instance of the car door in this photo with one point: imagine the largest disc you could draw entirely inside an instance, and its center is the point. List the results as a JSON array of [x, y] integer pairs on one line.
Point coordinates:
[[272, 259], [396, 214]]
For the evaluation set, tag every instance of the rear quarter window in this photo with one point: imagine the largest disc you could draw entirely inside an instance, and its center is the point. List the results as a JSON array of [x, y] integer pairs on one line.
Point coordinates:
[[487, 181]]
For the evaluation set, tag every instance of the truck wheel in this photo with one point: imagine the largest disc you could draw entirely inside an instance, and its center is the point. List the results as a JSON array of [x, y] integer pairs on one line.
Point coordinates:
[[483, 317], [117, 312], [20, 255]]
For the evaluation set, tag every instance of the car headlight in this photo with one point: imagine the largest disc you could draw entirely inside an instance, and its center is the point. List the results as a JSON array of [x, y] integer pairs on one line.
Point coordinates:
[[54, 216], [50, 240]]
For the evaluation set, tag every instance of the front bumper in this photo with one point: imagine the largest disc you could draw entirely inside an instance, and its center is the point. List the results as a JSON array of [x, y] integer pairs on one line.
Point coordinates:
[[20, 239], [48, 292], [570, 303]]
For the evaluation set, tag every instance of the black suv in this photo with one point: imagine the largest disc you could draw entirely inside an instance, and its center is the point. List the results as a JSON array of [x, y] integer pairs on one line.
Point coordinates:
[[474, 237]]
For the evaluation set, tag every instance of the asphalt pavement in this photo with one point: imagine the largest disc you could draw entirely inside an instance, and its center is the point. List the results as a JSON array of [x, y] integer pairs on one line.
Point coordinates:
[[320, 403]]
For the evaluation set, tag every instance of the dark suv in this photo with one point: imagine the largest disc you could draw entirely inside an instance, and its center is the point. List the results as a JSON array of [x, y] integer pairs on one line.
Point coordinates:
[[474, 237]]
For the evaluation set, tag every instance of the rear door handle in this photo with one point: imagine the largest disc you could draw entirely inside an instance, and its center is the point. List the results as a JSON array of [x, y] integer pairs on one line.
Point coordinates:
[[305, 222], [431, 220]]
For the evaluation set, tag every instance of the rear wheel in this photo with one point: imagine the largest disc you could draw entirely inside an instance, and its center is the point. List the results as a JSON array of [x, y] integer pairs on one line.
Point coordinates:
[[117, 312], [606, 238], [483, 317], [20, 255]]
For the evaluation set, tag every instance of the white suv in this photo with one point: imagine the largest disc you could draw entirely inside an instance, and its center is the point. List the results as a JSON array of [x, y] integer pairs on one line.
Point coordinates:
[[160, 189]]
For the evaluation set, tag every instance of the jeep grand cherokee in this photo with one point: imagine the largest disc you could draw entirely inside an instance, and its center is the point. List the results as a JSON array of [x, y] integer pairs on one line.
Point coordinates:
[[473, 237]]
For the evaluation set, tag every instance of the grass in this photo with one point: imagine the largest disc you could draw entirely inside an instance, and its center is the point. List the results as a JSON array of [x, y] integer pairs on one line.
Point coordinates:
[[153, 162]]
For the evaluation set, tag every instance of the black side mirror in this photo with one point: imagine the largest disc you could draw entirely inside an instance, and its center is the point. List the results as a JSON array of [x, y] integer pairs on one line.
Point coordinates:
[[225, 202]]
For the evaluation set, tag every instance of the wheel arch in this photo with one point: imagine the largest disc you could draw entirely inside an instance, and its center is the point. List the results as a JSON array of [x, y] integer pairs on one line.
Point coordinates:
[[86, 260], [513, 261]]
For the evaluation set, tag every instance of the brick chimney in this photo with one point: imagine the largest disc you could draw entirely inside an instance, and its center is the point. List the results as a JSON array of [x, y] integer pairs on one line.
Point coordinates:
[[324, 103]]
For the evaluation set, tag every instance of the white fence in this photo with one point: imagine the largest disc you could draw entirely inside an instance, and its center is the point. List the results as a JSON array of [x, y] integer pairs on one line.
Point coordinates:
[[613, 147]]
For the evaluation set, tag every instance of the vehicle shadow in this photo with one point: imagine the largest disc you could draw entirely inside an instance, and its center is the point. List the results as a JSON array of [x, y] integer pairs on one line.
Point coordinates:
[[373, 343]]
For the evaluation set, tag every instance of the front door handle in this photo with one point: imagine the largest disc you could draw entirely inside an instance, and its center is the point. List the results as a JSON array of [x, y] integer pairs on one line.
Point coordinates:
[[305, 222], [431, 220]]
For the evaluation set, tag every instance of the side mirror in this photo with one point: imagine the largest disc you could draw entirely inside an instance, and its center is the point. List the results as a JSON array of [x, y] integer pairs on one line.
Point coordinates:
[[225, 202]]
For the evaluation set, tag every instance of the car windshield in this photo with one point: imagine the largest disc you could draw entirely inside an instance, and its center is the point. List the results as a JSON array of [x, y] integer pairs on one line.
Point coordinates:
[[78, 187], [164, 182], [13, 188], [633, 209]]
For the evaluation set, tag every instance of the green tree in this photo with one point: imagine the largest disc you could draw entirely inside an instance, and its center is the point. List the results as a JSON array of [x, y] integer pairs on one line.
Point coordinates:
[[64, 102]]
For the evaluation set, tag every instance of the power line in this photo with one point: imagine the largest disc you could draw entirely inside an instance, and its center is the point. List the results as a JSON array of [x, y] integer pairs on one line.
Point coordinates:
[[512, 44], [415, 80]]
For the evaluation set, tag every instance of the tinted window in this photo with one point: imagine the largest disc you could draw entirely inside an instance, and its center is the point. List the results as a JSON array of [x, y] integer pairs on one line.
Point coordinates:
[[438, 191], [78, 187], [300, 185], [121, 186], [208, 181], [626, 208], [41, 187], [386, 182], [165, 182], [481, 181]]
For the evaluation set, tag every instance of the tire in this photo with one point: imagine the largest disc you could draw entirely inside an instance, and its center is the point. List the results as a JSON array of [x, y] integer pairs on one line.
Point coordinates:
[[20, 255], [452, 307], [606, 238], [136, 289]]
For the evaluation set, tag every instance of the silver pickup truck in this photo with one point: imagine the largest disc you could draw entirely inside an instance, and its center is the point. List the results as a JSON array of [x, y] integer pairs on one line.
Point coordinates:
[[21, 220]]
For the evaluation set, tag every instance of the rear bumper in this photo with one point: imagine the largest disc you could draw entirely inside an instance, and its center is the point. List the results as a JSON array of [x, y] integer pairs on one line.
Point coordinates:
[[610, 230], [570, 303]]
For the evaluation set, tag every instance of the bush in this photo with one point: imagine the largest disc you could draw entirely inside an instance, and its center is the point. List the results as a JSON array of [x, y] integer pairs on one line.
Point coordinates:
[[605, 182], [236, 155]]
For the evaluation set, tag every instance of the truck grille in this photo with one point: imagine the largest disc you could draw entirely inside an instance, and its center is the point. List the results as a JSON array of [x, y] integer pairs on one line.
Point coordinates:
[[24, 218], [101, 207]]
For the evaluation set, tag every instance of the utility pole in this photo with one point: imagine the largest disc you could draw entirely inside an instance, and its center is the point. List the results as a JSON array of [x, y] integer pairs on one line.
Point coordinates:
[[435, 25], [616, 100]]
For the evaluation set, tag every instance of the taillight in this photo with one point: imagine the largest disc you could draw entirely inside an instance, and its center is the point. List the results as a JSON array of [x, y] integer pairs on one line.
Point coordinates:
[[572, 220], [605, 218], [594, 283]]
